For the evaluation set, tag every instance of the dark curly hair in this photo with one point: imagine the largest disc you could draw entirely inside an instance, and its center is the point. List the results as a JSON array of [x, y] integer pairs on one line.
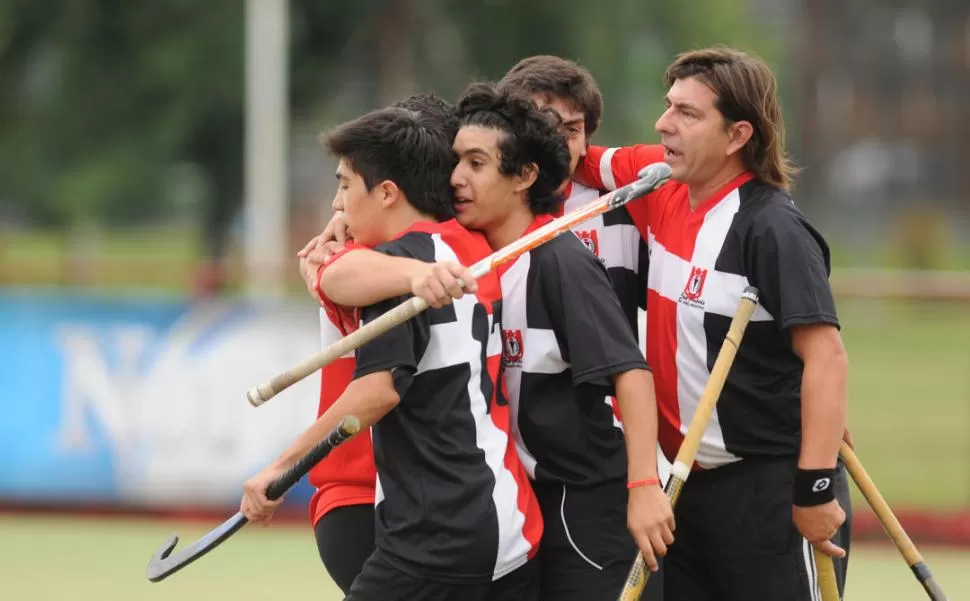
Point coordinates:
[[532, 136]]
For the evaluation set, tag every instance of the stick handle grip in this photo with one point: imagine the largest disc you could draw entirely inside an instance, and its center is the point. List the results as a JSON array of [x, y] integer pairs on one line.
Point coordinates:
[[828, 586], [650, 178], [715, 383], [359, 337], [348, 427], [636, 579]]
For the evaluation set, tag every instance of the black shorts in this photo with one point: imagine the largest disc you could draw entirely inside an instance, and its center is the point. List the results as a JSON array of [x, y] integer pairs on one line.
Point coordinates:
[[586, 550], [382, 580], [345, 539], [735, 539]]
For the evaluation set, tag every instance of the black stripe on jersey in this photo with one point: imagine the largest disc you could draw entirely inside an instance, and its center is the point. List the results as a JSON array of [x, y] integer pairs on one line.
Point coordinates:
[[445, 314], [772, 245], [758, 409], [437, 519], [614, 239], [563, 418], [480, 332], [437, 511], [581, 307], [630, 284], [618, 216]]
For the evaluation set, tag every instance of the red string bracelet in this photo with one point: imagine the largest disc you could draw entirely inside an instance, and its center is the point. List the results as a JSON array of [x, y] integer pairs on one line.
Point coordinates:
[[647, 482]]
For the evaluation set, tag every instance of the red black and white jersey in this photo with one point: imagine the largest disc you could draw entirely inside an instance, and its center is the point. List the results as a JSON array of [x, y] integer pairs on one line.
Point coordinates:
[[348, 475], [614, 239], [454, 503], [747, 233], [566, 338]]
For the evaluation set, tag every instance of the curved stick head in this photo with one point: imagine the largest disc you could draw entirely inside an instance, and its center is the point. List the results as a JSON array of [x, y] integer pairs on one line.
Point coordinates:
[[649, 179], [157, 567], [166, 561], [656, 171]]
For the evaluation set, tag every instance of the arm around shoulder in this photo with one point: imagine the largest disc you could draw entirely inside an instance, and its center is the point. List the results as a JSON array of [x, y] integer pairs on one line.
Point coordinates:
[[363, 277]]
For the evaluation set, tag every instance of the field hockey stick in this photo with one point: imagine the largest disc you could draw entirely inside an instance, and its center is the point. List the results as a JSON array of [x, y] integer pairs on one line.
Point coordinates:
[[164, 563], [828, 586], [891, 525], [651, 177], [636, 580]]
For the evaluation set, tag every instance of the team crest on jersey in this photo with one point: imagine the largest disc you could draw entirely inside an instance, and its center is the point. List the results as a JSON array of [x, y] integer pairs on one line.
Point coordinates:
[[512, 347], [694, 287], [590, 239]]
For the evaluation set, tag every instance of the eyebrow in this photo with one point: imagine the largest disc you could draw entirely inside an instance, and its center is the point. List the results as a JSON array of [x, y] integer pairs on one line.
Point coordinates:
[[473, 150], [683, 105], [576, 121]]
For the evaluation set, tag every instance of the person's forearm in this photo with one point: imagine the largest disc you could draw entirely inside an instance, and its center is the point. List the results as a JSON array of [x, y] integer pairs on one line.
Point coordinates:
[[637, 399], [367, 403], [824, 405], [364, 277]]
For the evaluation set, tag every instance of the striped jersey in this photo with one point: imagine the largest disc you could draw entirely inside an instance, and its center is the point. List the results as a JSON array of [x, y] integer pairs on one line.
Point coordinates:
[[565, 338], [348, 475], [454, 503], [747, 233], [614, 239]]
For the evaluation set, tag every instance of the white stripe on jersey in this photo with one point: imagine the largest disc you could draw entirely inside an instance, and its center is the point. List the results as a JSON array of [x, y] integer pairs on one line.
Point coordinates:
[[580, 196], [721, 295], [606, 169], [619, 244], [546, 359], [379, 491], [514, 281], [722, 291], [329, 333], [452, 344], [809, 557], [620, 248]]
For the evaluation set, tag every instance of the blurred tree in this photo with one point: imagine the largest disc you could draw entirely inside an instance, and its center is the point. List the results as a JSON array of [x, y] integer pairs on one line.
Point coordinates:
[[626, 44], [99, 98]]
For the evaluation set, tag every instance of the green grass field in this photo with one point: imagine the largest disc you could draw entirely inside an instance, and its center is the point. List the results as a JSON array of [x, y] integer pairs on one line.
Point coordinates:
[[48, 559], [909, 413], [909, 407]]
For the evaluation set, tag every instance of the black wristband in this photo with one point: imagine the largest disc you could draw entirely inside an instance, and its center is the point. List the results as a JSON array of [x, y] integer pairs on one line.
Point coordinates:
[[813, 487]]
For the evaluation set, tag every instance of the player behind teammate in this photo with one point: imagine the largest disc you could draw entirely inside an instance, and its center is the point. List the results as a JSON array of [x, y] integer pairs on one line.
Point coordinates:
[[342, 508], [456, 518], [567, 346], [572, 92]]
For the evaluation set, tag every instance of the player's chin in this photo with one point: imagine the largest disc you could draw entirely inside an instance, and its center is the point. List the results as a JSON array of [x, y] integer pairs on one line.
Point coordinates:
[[678, 171], [466, 215]]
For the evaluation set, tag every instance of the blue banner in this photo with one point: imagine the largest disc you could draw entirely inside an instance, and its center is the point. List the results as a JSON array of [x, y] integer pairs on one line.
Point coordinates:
[[142, 401]]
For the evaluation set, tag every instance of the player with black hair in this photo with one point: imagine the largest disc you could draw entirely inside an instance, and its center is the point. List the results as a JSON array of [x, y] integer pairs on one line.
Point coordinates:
[[567, 345], [455, 515]]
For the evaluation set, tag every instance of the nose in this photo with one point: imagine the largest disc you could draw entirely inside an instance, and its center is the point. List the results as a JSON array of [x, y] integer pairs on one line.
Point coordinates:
[[338, 201], [457, 178], [665, 124]]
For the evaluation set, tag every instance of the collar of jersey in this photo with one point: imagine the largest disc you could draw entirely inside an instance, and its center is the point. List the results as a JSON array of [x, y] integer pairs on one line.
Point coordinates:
[[719, 195], [537, 222], [426, 227]]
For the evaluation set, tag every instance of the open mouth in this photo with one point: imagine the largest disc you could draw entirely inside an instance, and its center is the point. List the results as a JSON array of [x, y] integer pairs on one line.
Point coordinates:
[[670, 153]]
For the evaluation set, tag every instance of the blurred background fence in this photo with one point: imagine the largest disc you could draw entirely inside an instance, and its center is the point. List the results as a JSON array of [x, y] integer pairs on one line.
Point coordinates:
[[159, 158]]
